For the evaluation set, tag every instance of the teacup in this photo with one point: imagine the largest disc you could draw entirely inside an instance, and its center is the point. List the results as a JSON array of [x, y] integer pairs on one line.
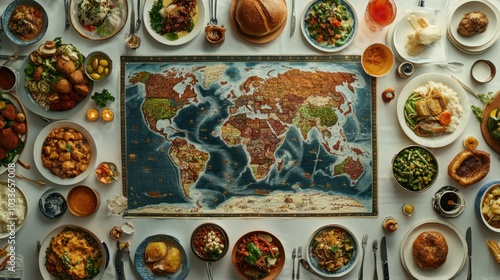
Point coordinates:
[[9, 78]]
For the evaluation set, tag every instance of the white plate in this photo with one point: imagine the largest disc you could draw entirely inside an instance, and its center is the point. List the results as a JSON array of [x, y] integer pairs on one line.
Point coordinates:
[[403, 28], [441, 140], [5, 184], [457, 251], [329, 48], [20, 109], [94, 35], [37, 150], [479, 39], [46, 243], [198, 27]]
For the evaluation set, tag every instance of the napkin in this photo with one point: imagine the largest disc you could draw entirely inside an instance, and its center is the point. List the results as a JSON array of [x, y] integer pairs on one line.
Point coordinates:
[[17, 274]]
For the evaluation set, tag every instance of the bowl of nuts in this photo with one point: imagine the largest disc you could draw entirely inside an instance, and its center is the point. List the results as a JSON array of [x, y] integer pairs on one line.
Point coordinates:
[[98, 66]]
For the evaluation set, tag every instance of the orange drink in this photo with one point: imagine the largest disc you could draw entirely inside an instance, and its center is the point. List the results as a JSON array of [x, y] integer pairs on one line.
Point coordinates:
[[380, 13]]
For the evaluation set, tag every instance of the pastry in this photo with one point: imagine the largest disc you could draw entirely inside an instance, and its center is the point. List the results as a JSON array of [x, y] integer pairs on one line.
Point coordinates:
[[469, 167], [260, 17], [430, 250], [155, 251]]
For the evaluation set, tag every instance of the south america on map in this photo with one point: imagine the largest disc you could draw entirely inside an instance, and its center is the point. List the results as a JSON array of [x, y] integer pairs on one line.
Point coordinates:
[[263, 137]]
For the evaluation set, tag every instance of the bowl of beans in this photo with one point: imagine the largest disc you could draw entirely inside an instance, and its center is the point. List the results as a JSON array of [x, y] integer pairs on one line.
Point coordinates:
[[415, 168], [209, 242], [98, 66]]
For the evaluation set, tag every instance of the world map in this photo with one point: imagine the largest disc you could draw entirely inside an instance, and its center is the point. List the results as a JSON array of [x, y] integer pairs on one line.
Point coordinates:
[[246, 137]]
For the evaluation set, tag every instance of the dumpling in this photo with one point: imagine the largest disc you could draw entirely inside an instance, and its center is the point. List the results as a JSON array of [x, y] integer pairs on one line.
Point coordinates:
[[155, 251]]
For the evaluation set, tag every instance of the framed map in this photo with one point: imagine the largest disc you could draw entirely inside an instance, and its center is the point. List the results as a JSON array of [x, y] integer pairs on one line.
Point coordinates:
[[229, 136]]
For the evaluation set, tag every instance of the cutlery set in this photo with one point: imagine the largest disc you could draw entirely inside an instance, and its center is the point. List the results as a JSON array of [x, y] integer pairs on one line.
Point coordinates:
[[296, 253], [383, 252]]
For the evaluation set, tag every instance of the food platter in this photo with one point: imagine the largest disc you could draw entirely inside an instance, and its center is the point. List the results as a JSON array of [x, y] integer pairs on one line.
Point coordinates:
[[148, 4], [143, 269], [346, 268], [8, 13], [27, 100], [24, 137], [5, 184], [118, 18], [46, 243], [457, 251], [37, 150], [492, 142], [441, 140], [352, 22]]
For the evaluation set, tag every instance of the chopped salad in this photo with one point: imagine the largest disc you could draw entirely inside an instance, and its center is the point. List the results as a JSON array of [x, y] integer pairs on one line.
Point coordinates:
[[257, 254]]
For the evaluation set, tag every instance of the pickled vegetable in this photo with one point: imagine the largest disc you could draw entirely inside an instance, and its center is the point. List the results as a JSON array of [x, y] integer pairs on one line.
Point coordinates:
[[98, 67]]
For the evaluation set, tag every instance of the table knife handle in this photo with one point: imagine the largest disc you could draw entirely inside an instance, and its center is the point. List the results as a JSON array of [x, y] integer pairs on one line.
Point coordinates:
[[386, 270], [469, 272]]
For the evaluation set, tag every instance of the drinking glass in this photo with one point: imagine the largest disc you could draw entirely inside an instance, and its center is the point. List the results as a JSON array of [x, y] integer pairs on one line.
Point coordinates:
[[380, 13]]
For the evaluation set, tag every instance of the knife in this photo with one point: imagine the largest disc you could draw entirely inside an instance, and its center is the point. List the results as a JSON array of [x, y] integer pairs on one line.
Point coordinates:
[[385, 261], [292, 25], [119, 263], [468, 238]]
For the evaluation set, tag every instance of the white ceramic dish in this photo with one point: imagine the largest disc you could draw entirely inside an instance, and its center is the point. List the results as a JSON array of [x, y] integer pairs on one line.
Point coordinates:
[[329, 48], [4, 184], [148, 4], [94, 35], [37, 150], [478, 204], [479, 39], [343, 270], [46, 243], [441, 140], [457, 251], [403, 28]]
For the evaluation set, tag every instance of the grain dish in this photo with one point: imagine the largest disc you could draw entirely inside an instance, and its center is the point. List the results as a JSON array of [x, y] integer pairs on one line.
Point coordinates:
[[72, 253], [6, 213]]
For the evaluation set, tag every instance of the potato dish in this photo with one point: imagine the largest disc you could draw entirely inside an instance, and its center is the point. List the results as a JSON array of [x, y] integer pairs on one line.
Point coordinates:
[[66, 153], [73, 254], [490, 208]]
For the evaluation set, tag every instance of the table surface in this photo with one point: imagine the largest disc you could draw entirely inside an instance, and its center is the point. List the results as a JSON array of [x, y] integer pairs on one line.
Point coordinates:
[[293, 232]]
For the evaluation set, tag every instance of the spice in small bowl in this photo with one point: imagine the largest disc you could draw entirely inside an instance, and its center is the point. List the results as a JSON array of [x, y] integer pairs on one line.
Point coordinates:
[[107, 172], [83, 201]]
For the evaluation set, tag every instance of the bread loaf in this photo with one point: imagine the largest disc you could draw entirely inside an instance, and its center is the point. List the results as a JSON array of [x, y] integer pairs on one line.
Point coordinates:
[[260, 17], [430, 250]]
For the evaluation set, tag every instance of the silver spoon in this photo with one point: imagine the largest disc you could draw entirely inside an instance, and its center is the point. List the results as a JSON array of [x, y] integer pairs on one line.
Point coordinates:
[[138, 22], [212, 4], [453, 65]]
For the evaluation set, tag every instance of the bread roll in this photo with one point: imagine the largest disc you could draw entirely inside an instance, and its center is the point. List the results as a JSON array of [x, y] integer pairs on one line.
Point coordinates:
[[155, 251], [430, 250], [260, 17]]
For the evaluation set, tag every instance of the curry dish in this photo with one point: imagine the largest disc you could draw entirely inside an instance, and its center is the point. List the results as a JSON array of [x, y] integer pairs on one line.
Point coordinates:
[[26, 22], [66, 153], [73, 254]]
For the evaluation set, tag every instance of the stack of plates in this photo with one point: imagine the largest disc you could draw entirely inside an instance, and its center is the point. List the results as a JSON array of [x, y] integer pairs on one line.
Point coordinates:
[[480, 42]]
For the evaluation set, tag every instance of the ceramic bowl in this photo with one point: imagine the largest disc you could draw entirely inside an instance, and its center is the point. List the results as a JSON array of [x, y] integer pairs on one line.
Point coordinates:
[[98, 66], [343, 239], [8, 13], [406, 172], [52, 204], [83, 201], [209, 233], [377, 60], [442, 205], [486, 204]]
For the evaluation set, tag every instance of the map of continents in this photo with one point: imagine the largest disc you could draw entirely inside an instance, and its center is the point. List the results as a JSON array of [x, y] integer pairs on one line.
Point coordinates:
[[264, 133]]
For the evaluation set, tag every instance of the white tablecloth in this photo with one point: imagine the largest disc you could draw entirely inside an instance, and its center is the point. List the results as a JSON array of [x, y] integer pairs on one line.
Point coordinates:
[[293, 232]]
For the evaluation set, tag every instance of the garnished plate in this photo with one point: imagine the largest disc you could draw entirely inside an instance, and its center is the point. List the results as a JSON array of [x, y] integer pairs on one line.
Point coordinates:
[[439, 140], [199, 21], [457, 251], [15, 153], [6, 15], [109, 19], [346, 24], [144, 269]]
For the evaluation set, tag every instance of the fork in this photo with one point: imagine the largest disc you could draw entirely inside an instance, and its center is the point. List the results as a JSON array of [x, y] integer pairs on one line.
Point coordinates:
[[66, 12], [13, 57], [363, 245], [299, 256], [293, 263], [375, 248]]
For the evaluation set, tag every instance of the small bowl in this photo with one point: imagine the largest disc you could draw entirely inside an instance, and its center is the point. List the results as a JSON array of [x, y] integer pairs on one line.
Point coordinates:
[[339, 231], [483, 208], [401, 172], [377, 60], [52, 204], [8, 13], [200, 238], [107, 172], [9, 78], [441, 198], [83, 201], [98, 66], [483, 71]]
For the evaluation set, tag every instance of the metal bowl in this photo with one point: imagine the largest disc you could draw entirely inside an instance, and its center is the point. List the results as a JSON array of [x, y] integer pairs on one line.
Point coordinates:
[[414, 182], [8, 13]]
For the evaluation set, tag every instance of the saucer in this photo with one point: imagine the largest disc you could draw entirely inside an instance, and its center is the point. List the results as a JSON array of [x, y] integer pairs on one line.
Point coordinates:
[[453, 213]]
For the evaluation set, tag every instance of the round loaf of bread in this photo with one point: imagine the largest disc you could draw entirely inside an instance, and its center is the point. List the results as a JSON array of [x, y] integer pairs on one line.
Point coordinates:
[[260, 17], [430, 250]]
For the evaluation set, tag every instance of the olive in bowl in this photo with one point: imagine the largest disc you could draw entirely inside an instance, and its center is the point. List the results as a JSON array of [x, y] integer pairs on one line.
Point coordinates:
[[98, 66], [415, 168]]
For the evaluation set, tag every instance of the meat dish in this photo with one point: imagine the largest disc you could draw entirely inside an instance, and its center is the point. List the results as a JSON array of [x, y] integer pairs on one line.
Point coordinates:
[[473, 23], [173, 19], [13, 129], [26, 22]]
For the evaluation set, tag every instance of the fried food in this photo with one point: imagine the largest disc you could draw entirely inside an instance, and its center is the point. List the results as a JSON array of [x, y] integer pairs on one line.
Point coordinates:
[[170, 263], [430, 250], [77, 77], [62, 86], [494, 249], [155, 251], [473, 23], [9, 112], [9, 139], [65, 66], [469, 167], [82, 89]]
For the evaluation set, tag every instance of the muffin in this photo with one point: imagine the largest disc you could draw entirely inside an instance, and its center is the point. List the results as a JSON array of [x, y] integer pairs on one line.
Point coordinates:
[[430, 250]]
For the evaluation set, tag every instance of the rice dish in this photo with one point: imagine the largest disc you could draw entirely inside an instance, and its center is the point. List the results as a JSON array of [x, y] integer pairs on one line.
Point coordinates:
[[20, 211]]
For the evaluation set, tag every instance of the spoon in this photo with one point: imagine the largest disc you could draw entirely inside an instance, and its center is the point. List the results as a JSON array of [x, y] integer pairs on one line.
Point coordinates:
[[453, 203], [139, 21], [453, 65], [306, 266], [38, 183], [213, 10]]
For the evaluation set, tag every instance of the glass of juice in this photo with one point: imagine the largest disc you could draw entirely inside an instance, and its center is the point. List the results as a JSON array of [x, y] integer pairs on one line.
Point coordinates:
[[380, 13]]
